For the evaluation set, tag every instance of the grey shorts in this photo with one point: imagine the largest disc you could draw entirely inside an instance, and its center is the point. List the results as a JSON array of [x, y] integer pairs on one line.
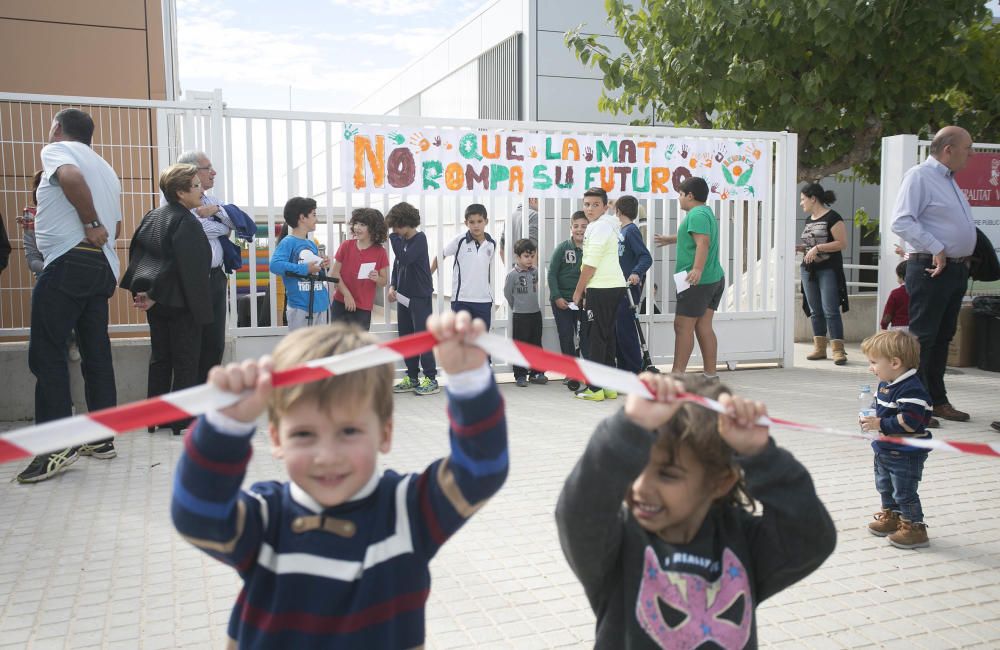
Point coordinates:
[[693, 301], [297, 318]]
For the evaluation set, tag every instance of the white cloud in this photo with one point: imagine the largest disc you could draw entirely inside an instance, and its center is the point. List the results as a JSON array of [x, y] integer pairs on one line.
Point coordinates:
[[209, 50], [338, 59], [392, 7]]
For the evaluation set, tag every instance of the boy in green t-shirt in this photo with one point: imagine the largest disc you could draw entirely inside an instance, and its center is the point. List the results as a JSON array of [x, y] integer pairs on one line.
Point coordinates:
[[564, 273], [697, 242]]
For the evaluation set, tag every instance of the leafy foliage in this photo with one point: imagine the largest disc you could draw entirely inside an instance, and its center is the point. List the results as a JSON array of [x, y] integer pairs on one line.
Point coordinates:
[[840, 73]]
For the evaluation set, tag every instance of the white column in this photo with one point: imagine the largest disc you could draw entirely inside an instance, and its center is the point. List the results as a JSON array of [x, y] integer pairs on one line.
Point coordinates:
[[785, 204], [899, 153]]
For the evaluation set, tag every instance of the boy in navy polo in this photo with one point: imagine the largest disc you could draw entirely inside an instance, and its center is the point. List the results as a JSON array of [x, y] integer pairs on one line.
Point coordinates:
[[902, 409], [410, 287], [472, 271], [635, 260]]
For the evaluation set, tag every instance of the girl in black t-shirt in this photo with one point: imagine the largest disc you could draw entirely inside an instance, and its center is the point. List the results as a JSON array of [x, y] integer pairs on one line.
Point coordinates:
[[823, 283]]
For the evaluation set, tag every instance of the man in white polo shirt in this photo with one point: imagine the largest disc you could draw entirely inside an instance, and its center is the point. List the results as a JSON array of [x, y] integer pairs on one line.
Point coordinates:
[[79, 205]]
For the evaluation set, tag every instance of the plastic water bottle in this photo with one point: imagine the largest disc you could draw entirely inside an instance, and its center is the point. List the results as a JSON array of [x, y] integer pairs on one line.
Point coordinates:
[[866, 403]]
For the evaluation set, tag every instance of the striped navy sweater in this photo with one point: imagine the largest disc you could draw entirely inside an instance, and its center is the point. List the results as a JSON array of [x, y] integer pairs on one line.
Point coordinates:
[[352, 576], [905, 397]]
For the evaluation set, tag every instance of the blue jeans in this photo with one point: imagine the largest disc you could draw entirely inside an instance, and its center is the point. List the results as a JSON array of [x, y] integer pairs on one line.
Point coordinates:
[[934, 307], [71, 293], [823, 297], [897, 475], [414, 319]]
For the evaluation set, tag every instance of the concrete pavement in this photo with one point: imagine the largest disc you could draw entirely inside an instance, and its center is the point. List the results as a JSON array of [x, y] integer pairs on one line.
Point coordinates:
[[90, 558]]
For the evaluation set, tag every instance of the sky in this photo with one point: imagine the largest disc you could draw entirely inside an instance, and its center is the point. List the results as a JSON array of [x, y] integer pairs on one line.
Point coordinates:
[[316, 55]]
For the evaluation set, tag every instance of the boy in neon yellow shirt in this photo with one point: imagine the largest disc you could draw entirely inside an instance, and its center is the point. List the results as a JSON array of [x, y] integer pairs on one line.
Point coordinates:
[[602, 281]]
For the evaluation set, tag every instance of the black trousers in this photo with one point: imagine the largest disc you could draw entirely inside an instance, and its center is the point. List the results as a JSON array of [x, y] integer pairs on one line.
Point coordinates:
[[72, 292], [175, 345], [213, 335], [602, 309], [934, 307], [360, 317], [528, 329]]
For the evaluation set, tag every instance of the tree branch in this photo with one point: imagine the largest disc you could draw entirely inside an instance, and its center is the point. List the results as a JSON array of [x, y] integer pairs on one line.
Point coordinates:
[[864, 144]]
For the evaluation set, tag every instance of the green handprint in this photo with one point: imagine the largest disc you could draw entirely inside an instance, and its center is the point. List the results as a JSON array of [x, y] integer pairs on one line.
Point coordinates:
[[397, 137], [349, 131]]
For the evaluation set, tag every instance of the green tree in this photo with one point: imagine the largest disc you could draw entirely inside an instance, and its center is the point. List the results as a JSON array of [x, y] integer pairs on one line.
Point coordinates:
[[840, 73]]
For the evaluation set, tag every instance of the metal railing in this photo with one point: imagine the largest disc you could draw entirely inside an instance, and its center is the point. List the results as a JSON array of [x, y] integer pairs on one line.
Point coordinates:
[[263, 157]]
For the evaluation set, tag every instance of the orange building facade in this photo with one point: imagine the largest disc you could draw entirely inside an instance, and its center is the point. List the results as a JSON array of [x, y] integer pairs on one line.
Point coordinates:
[[122, 49]]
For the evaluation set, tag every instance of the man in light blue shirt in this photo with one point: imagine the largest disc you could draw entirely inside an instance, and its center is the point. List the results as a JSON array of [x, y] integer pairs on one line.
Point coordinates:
[[934, 219]]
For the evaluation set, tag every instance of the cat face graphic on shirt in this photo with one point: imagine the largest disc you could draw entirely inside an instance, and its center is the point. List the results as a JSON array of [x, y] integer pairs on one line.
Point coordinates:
[[683, 610]]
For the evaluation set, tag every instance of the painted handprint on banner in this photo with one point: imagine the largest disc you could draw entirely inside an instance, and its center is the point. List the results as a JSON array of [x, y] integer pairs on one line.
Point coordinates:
[[349, 131], [752, 150], [703, 159], [588, 154], [684, 151], [437, 141], [397, 137], [533, 151], [420, 142]]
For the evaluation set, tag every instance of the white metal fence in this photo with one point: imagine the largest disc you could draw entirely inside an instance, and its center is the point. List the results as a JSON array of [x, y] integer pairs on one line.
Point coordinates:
[[264, 157]]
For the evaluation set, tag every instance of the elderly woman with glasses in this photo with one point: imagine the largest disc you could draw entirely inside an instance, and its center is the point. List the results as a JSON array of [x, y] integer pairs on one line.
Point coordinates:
[[168, 272]]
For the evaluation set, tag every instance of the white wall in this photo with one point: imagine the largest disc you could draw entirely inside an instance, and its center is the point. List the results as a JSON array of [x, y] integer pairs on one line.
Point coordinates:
[[566, 90], [489, 25], [557, 87]]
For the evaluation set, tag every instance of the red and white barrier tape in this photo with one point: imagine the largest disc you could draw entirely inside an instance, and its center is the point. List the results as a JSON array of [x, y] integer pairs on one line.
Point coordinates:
[[80, 429]]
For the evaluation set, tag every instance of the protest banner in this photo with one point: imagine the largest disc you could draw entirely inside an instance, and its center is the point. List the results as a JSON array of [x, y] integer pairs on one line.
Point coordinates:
[[442, 162]]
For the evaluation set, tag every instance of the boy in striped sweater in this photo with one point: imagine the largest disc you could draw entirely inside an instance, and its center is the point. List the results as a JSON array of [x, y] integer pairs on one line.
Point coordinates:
[[337, 556], [903, 410]]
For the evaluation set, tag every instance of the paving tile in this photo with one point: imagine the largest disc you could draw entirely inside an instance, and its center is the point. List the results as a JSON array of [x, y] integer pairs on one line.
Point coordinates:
[[92, 554]]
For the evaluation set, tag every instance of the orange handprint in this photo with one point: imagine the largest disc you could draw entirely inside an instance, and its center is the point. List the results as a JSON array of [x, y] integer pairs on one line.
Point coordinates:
[[754, 151], [420, 142], [533, 151]]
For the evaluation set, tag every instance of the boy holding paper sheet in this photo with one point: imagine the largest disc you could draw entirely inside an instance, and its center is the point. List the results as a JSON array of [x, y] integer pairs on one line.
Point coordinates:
[[362, 266], [697, 266], [411, 288]]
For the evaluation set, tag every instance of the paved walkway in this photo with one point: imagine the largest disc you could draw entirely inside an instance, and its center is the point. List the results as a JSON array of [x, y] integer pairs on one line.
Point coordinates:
[[90, 559]]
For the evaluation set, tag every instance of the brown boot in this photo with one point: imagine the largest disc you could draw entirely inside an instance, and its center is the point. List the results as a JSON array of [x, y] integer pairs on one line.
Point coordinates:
[[886, 521], [839, 356], [909, 535], [819, 349]]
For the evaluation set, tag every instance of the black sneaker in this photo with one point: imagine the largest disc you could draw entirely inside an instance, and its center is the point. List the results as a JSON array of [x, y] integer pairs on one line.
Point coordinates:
[[539, 378], [522, 382], [47, 465], [102, 450]]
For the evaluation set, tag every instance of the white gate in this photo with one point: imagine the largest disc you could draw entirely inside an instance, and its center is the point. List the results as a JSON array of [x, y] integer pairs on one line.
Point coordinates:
[[264, 157]]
